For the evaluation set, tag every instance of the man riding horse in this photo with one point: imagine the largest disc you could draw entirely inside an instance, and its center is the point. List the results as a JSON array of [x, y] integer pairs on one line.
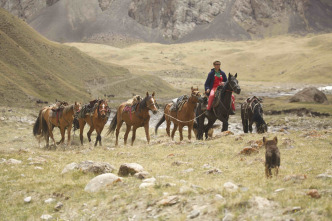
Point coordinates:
[[215, 78]]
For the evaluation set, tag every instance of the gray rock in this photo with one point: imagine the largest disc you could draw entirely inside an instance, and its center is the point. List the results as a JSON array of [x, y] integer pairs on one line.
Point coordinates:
[[150, 180], [46, 217], [95, 167], [310, 94], [279, 190], [69, 167], [58, 206], [168, 201], [102, 181], [89, 167], [188, 170], [27, 199], [130, 169], [228, 217], [324, 176], [193, 214], [230, 187], [146, 185], [142, 175], [49, 200], [13, 161]]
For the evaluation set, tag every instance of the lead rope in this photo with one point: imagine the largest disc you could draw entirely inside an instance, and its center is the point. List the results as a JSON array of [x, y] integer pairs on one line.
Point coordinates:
[[181, 120]]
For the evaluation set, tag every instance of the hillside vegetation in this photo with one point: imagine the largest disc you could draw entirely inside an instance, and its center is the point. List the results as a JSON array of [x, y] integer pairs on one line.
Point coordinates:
[[32, 68], [285, 59]]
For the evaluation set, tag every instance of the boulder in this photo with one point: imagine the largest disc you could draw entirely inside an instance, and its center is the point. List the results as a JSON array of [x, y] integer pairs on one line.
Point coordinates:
[[102, 181], [310, 94], [130, 169], [89, 167], [95, 167]]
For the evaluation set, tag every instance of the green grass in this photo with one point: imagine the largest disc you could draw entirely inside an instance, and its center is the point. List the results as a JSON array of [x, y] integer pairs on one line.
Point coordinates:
[[309, 155]]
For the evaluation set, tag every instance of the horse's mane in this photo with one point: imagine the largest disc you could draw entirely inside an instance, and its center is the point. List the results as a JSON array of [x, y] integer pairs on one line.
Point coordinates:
[[142, 104], [66, 109]]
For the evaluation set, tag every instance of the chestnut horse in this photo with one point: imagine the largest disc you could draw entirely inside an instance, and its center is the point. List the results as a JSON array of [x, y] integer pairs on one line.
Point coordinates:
[[96, 120], [47, 120], [140, 118], [181, 118]]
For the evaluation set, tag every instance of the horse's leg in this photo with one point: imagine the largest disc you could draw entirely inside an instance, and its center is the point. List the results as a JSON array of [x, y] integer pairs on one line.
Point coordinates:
[[133, 135], [190, 127], [224, 126], [118, 127], [147, 134], [250, 125], [208, 126], [68, 132], [62, 132], [245, 125], [50, 129], [82, 124], [90, 132], [180, 131], [168, 127], [174, 129], [97, 138], [126, 134]]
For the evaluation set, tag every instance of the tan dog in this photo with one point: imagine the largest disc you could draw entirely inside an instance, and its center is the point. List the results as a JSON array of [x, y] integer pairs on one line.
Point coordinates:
[[272, 156]]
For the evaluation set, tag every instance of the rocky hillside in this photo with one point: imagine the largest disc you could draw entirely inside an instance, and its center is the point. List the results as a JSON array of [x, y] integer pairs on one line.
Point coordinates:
[[165, 21]]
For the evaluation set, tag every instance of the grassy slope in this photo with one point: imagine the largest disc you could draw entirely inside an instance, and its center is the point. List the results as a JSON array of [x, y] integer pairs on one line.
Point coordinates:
[[31, 67], [281, 59]]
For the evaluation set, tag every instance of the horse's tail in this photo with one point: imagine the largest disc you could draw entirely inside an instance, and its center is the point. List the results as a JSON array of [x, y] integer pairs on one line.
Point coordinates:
[[44, 126], [159, 123], [112, 126], [37, 126], [76, 124]]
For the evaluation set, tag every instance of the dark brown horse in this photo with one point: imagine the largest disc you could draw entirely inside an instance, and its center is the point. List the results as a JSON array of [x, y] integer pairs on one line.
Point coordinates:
[[96, 120], [180, 118], [140, 118], [48, 119], [221, 107], [252, 112]]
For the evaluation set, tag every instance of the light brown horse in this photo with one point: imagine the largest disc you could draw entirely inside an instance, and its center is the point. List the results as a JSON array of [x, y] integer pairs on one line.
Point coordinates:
[[47, 120], [140, 118], [96, 121], [180, 118]]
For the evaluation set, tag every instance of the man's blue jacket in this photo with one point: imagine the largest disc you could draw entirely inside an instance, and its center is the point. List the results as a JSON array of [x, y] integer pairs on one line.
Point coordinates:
[[210, 79]]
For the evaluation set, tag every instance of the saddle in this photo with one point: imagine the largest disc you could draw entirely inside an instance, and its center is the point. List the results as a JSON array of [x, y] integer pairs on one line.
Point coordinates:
[[87, 109], [59, 105], [178, 104], [252, 99]]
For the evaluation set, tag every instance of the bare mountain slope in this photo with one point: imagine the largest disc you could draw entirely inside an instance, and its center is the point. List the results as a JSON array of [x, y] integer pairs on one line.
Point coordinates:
[[32, 68], [107, 21]]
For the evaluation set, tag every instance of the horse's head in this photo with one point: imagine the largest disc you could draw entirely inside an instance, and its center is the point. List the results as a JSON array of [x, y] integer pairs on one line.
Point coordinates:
[[233, 83], [103, 109], [151, 103], [77, 107], [195, 94]]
